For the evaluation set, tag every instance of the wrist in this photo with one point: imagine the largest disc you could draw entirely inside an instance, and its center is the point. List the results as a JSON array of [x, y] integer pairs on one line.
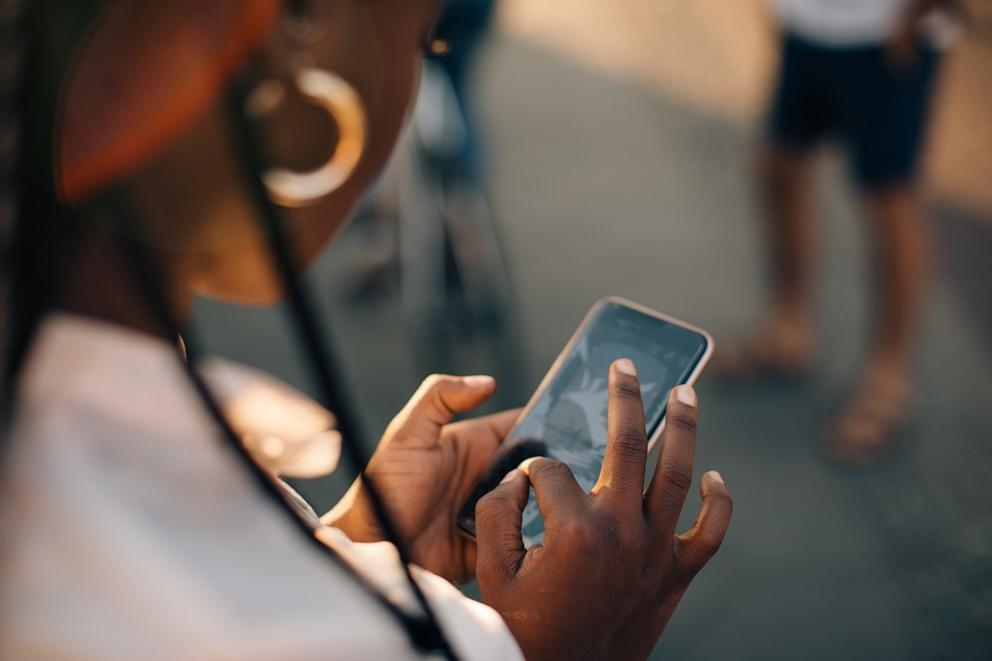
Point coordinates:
[[353, 515]]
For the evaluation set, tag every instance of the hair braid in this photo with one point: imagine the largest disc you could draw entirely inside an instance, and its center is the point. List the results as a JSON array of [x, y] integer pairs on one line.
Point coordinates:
[[12, 64]]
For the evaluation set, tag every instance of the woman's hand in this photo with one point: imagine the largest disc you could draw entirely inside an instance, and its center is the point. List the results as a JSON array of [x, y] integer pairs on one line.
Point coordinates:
[[611, 570], [425, 468]]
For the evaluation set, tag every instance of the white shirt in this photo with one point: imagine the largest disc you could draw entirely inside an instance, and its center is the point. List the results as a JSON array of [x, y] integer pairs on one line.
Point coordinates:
[[127, 530], [856, 22]]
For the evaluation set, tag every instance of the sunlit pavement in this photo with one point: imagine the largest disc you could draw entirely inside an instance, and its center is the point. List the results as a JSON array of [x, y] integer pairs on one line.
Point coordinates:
[[720, 57], [613, 187]]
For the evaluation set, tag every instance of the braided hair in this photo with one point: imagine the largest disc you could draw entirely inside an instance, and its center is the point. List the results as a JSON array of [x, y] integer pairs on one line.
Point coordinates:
[[12, 62], [35, 233]]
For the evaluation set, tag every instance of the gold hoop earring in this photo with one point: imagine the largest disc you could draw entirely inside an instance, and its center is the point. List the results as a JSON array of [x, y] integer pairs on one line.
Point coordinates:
[[344, 106]]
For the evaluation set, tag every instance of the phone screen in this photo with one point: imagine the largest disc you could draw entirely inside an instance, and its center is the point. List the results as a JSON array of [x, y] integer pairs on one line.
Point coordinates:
[[568, 420]]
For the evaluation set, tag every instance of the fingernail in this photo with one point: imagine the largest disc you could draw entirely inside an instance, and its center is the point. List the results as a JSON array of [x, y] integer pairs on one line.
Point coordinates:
[[525, 465], [512, 475], [686, 395], [626, 366], [478, 381], [716, 477]]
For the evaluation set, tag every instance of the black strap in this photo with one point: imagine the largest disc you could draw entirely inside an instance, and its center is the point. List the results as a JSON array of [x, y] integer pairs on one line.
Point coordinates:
[[421, 631], [314, 338]]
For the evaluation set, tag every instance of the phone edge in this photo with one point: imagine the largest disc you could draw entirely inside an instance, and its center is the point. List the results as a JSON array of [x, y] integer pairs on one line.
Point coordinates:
[[569, 345]]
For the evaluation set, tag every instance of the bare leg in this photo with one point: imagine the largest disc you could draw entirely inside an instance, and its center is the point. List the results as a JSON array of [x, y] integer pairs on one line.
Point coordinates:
[[784, 180], [903, 248], [782, 341], [881, 400]]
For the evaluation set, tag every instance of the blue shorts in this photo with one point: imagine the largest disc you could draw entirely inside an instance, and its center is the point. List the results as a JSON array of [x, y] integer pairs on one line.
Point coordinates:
[[878, 112]]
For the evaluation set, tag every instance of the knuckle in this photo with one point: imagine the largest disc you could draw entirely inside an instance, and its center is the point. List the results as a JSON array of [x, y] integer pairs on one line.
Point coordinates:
[[676, 478], [549, 469], [630, 442], [683, 420], [723, 500], [671, 500], [432, 381], [491, 506], [434, 386], [709, 541], [627, 391], [580, 534]]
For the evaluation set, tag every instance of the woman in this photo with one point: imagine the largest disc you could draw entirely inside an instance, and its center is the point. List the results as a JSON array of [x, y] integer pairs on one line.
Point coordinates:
[[129, 529]]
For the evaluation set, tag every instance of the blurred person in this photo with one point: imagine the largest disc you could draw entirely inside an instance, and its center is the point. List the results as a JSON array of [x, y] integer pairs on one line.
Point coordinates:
[[445, 142], [861, 72], [467, 23], [141, 512]]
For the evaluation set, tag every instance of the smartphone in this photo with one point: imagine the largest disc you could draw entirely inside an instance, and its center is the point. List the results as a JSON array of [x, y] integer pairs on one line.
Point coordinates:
[[566, 417]]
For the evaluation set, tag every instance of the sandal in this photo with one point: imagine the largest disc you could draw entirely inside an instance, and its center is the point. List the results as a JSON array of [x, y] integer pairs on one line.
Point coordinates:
[[768, 354], [870, 424]]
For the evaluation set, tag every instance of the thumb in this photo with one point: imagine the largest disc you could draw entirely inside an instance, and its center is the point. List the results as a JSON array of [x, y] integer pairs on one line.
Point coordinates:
[[498, 517], [440, 398]]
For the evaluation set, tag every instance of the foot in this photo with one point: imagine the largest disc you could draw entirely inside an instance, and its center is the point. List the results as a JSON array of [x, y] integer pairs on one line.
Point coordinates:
[[781, 348], [871, 420]]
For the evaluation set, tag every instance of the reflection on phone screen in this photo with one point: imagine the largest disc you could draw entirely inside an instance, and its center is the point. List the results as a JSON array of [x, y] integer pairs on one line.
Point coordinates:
[[569, 420]]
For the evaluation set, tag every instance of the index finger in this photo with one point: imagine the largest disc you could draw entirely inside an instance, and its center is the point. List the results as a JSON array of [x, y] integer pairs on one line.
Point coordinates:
[[622, 474]]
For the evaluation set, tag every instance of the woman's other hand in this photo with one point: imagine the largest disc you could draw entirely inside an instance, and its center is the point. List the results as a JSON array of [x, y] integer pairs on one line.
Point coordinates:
[[425, 467], [611, 569]]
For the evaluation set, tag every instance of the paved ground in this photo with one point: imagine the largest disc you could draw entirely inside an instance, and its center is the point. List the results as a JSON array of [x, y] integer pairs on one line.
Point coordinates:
[[721, 57], [607, 188]]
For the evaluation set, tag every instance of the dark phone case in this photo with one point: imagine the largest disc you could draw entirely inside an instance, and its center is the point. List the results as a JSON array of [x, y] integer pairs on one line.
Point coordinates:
[[504, 463]]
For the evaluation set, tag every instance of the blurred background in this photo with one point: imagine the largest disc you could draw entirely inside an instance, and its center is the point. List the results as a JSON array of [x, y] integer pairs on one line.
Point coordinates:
[[593, 147]]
